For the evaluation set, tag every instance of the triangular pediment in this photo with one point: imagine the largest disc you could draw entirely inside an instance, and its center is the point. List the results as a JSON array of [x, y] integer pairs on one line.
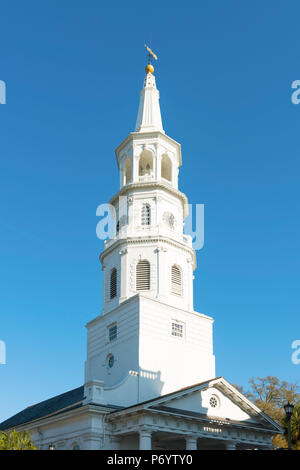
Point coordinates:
[[216, 399]]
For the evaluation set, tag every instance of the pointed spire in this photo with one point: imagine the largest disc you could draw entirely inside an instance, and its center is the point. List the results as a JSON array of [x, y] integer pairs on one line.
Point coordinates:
[[149, 117]]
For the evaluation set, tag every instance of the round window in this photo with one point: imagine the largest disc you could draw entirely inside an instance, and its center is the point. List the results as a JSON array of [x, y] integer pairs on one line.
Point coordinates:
[[110, 361], [213, 402]]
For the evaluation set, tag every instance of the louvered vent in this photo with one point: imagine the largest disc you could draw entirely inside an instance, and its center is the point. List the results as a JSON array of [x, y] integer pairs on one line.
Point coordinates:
[[176, 281], [143, 275], [113, 283]]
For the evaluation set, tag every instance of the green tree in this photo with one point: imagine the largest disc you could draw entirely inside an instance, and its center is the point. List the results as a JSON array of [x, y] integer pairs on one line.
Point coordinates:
[[269, 394], [15, 440]]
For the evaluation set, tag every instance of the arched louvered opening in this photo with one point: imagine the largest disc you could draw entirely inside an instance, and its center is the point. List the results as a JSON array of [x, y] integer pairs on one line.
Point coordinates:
[[166, 168], [113, 283], [143, 275], [127, 170], [176, 280], [146, 215]]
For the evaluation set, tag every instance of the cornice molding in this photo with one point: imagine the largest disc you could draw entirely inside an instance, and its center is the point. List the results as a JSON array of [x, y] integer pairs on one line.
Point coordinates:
[[204, 427], [150, 185], [147, 241]]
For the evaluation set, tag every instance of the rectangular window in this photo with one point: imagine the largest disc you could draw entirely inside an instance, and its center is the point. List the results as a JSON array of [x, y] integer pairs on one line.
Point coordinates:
[[112, 332], [177, 329]]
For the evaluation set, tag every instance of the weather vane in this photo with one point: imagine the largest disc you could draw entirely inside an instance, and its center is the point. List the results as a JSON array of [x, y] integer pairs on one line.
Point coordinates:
[[150, 68]]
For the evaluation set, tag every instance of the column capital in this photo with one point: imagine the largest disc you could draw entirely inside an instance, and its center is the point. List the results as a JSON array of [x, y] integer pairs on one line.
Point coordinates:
[[145, 430]]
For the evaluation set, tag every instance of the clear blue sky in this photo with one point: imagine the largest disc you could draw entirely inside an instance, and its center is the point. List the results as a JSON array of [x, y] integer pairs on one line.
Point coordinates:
[[73, 71]]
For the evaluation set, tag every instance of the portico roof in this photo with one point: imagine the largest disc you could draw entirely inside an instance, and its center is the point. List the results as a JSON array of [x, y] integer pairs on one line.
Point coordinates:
[[158, 404]]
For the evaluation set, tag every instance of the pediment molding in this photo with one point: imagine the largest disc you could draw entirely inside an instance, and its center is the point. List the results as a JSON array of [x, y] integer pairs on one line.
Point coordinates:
[[258, 418]]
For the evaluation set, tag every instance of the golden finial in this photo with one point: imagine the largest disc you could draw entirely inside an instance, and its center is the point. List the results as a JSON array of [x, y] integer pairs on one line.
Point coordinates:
[[149, 67]]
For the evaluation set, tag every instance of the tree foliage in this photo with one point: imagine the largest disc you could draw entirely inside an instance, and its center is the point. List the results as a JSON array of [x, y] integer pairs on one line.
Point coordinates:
[[15, 440], [270, 394]]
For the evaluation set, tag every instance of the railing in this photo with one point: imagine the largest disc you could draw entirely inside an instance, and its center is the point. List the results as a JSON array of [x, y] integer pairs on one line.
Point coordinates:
[[145, 178]]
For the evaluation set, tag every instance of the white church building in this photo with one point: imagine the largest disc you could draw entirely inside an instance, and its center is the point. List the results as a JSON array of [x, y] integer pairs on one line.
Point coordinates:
[[150, 369]]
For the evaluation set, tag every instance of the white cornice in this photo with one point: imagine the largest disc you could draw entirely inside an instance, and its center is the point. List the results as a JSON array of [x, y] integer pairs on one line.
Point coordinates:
[[227, 389], [136, 298], [152, 185], [146, 241], [61, 415]]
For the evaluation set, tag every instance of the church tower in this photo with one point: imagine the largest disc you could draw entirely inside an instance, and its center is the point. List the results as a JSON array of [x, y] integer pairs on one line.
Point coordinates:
[[148, 328], [150, 370]]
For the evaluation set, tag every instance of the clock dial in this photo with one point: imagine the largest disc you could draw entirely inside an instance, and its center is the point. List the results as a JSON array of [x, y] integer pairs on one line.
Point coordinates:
[[169, 220]]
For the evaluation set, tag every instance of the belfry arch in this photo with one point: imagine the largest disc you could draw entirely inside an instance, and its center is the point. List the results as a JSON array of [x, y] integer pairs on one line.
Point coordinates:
[[166, 168], [127, 170], [146, 164]]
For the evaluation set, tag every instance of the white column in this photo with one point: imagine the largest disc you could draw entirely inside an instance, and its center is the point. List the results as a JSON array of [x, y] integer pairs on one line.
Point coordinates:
[[154, 162], [190, 278], [158, 166], [157, 271], [145, 439], [174, 174], [122, 279], [135, 168], [122, 178], [191, 443], [230, 446], [114, 442]]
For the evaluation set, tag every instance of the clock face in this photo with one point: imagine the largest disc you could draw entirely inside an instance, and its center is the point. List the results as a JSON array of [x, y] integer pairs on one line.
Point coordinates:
[[169, 219]]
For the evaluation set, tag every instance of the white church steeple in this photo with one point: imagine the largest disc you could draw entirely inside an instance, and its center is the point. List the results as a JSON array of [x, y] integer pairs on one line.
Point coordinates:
[[149, 116], [148, 326]]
